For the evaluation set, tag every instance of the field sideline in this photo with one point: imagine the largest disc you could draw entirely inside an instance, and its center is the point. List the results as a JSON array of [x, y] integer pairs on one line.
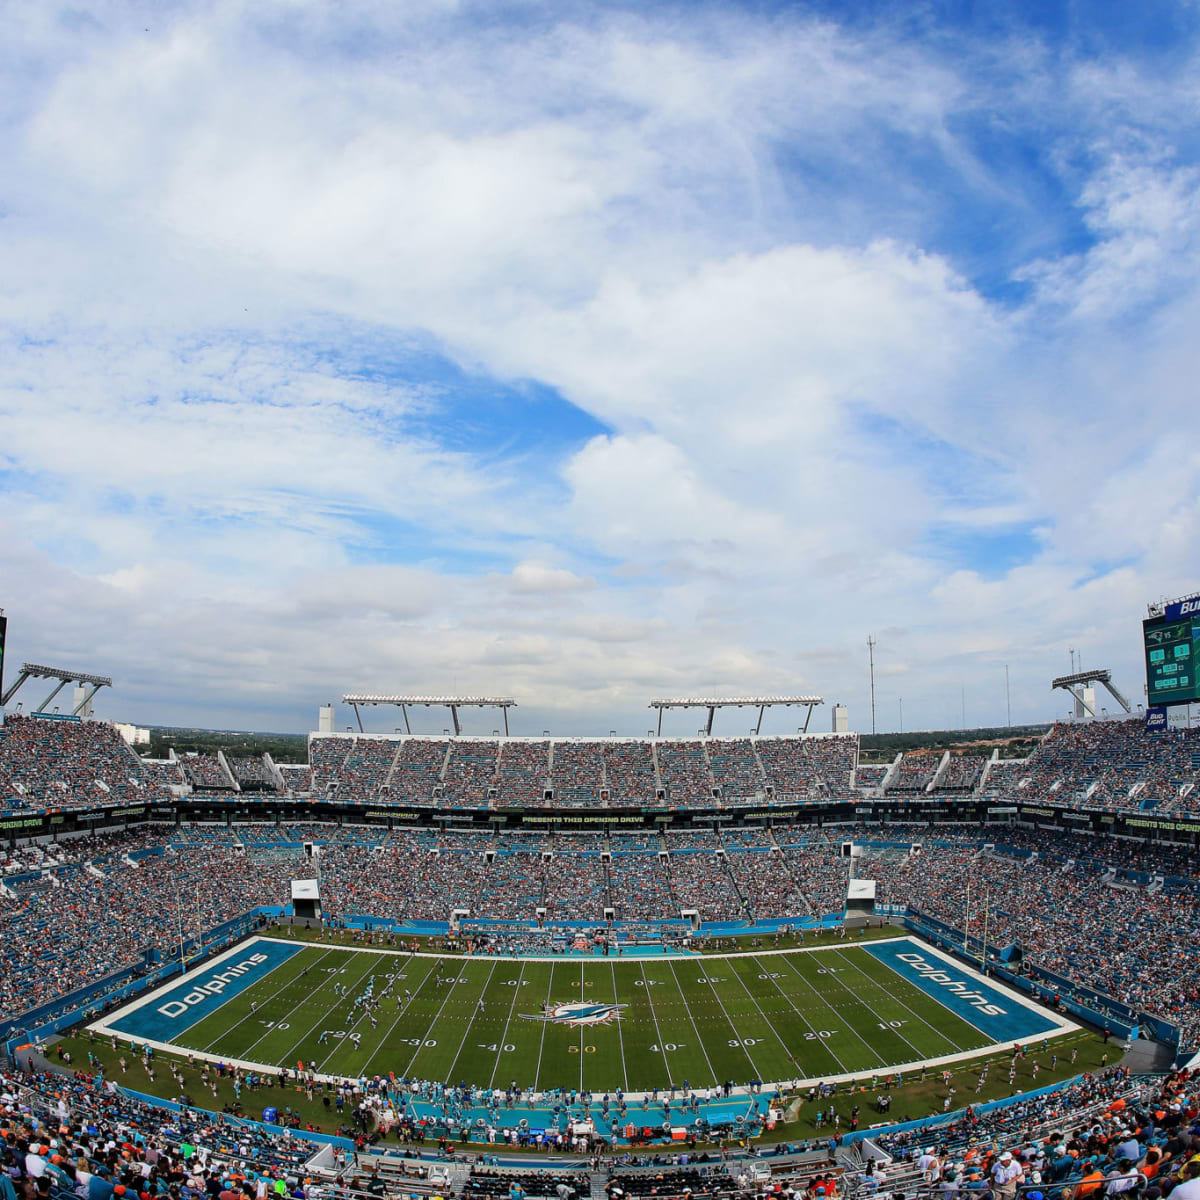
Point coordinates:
[[770, 1015]]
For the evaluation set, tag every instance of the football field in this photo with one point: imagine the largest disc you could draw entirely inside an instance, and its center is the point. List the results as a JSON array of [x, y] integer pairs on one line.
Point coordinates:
[[581, 1022]]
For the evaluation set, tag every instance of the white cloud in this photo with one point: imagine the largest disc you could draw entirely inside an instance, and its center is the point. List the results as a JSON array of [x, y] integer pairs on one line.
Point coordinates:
[[732, 242]]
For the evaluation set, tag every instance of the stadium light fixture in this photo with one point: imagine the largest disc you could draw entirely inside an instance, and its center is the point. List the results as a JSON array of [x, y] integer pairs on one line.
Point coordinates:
[[61, 677], [1073, 684], [358, 700], [712, 703]]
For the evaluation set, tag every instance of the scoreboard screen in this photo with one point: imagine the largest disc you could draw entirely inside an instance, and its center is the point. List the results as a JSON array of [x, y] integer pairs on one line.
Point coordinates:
[[1173, 654]]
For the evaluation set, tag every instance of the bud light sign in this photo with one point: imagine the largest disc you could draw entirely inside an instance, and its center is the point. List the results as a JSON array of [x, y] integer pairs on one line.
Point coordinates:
[[1156, 718], [1183, 608]]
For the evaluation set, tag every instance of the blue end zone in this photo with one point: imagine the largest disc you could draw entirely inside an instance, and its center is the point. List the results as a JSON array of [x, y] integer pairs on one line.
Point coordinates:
[[195, 998], [992, 1012]]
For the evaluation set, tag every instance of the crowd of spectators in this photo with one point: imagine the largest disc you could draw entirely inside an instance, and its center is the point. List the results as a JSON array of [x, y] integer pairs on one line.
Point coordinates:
[[71, 1135], [78, 925], [297, 778], [578, 773], [512, 885], [524, 773], [764, 882], [736, 769], [870, 775], [834, 757], [416, 770], [325, 758], [364, 770], [166, 772], [1109, 765], [64, 763], [683, 769], [470, 777], [252, 773], [629, 773], [641, 886], [961, 773], [702, 882], [1005, 775], [575, 886], [808, 768], [1134, 943], [1106, 1134], [1112, 914], [914, 772], [205, 771], [74, 1136]]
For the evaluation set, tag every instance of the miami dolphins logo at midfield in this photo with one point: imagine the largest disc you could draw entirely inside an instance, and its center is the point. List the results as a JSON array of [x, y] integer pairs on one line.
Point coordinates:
[[578, 1012]]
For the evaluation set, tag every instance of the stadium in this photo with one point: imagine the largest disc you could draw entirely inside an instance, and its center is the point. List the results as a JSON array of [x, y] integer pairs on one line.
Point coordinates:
[[438, 956], [594, 600]]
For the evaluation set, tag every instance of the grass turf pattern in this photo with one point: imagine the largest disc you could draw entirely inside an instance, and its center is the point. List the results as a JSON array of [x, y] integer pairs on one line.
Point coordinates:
[[695, 1021]]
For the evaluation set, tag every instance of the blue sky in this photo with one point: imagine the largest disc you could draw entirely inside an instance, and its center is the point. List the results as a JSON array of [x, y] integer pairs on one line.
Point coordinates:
[[587, 353]]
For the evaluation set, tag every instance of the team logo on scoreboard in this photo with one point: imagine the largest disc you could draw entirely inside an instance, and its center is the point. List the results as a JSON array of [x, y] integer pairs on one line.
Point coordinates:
[[578, 1012]]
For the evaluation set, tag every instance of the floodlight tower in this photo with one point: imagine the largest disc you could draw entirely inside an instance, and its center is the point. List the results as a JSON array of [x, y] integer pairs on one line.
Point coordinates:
[[871, 652]]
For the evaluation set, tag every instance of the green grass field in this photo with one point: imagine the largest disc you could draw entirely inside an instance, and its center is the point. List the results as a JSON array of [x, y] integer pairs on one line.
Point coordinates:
[[771, 1017]]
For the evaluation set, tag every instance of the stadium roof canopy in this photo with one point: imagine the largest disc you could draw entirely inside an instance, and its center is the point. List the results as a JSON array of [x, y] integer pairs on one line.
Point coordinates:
[[762, 703], [453, 703]]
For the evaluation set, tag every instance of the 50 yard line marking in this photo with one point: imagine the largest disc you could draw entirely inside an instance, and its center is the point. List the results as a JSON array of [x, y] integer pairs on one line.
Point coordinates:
[[582, 992]]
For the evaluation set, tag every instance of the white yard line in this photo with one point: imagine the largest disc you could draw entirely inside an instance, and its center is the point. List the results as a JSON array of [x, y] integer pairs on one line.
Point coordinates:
[[582, 990], [737, 1033], [504, 1036], [1062, 1026], [345, 1033], [646, 987], [286, 1015], [470, 1023], [399, 1017], [436, 1017], [628, 954], [907, 1008], [696, 1029], [816, 991], [251, 1015], [537, 1071], [212, 966], [617, 1023], [771, 1025]]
